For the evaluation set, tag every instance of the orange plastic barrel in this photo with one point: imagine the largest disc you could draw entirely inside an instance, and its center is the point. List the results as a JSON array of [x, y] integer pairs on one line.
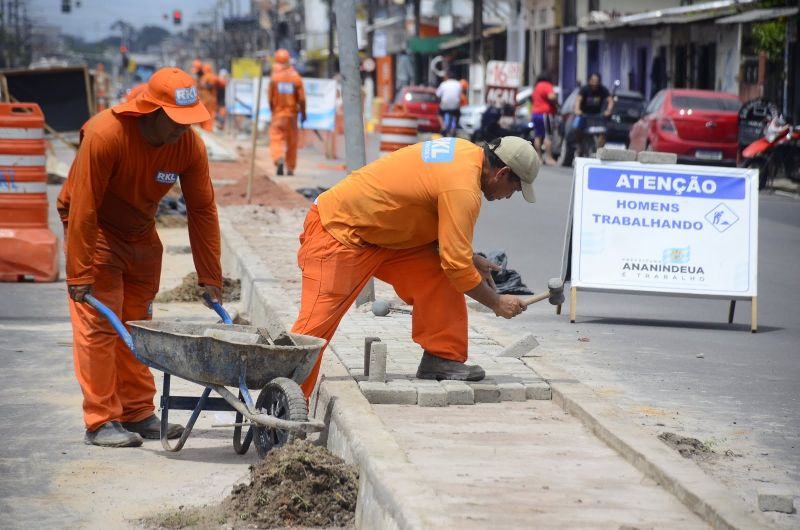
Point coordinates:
[[398, 130], [27, 246]]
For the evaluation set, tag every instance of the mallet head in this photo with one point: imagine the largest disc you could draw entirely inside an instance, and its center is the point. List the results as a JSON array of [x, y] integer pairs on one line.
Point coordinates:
[[556, 288]]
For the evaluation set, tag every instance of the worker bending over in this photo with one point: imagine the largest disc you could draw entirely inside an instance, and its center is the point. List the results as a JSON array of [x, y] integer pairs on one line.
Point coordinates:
[[408, 220], [287, 98], [129, 158]]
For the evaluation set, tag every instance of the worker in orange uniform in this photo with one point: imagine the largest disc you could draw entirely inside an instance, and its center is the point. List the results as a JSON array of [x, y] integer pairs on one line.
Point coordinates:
[[408, 220], [207, 91], [287, 98], [129, 158]]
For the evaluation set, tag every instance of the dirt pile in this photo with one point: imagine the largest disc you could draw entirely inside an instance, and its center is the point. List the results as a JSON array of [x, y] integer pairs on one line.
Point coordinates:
[[300, 484], [687, 447], [189, 291], [265, 192]]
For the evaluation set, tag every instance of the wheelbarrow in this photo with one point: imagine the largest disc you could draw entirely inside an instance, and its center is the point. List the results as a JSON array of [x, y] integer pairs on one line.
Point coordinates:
[[217, 356]]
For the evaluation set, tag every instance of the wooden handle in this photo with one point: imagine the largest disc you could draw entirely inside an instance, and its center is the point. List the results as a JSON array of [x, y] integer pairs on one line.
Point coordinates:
[[535, 298]]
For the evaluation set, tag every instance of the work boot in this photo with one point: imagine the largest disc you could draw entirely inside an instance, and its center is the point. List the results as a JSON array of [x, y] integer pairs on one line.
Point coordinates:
[[150, 428], [433, 367], [290, 172], [279, 168], [112, 434]]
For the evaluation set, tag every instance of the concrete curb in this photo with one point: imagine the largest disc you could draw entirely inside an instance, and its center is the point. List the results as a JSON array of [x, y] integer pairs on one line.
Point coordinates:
[[391, 493], [682, 478]]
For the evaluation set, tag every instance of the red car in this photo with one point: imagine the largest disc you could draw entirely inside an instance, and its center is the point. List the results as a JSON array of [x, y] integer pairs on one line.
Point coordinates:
[[697, 125], [422, 103]]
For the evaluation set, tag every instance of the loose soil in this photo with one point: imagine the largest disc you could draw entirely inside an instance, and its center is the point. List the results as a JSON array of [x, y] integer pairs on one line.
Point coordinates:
[[266, 192], [300, 485], [688, 447], [190, 291]]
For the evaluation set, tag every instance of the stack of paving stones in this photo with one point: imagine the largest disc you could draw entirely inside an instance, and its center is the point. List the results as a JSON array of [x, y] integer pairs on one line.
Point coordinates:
[[507, 378]]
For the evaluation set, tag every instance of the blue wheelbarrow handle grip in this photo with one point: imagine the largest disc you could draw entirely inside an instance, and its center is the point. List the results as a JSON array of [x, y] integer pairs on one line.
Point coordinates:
[[216, 306], [111, 317]]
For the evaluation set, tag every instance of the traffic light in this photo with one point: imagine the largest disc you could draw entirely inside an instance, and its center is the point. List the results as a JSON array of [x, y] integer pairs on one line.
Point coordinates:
[[66, 6], [176, 17]]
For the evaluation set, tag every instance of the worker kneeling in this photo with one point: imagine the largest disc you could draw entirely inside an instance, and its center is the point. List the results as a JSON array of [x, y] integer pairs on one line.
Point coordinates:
[[408, 220]]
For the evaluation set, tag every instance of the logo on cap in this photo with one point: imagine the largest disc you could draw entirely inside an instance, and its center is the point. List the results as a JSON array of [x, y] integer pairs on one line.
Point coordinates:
[[186, 96]]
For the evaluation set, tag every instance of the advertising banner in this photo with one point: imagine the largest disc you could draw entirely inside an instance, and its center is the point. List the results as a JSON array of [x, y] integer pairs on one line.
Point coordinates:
[[502, 80], [320, 103], [665, 228], [245, 68]]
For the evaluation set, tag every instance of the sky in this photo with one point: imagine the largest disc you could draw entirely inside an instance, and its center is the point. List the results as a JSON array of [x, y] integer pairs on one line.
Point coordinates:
[[93, 19]]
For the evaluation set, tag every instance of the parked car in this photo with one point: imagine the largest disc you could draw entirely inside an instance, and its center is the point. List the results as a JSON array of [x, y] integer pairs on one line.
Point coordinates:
[[628, 107], [697, 125], [422, 103]]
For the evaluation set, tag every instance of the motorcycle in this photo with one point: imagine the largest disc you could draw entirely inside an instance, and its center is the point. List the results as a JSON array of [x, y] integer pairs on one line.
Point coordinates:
[[776, 154], [496, 123], [590, 139]]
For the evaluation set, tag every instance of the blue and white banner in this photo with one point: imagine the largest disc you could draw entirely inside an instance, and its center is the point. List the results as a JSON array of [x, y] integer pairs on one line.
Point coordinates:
[[665, 228], [320, 103]]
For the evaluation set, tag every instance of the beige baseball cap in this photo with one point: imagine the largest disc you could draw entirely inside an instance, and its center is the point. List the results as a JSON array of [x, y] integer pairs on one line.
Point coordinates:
[[521, 157]]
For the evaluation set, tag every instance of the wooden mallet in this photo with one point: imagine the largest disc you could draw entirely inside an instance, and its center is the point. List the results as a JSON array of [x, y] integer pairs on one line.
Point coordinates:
[[555, 293]]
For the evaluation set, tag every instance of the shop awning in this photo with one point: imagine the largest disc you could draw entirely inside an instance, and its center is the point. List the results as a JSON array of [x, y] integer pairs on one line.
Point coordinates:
[[757, 15], [458, 41], [427, 45]]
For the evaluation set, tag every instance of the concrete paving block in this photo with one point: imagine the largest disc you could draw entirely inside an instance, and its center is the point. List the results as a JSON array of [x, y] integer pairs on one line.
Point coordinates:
[[431, 396], [656, 157], [520, 347], [775, 500], [388, 394], [458, 393], [486, 391], [511, 392], [538, 390], [616, 155]]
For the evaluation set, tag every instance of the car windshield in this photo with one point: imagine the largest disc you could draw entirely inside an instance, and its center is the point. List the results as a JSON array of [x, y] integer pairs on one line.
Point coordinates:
[[704, 103], [424, 97]]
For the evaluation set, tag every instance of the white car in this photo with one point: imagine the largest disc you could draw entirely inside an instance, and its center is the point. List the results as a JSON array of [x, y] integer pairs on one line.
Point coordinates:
[[470, 119]]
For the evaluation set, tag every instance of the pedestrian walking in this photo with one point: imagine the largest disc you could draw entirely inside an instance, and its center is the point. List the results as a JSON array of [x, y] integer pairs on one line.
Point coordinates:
[[287, 99], [544, 110], [408, 219], [449, 94], [129, 158]]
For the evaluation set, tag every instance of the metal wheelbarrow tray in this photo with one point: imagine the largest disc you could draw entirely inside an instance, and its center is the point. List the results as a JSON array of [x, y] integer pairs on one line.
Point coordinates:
[[220, 355]]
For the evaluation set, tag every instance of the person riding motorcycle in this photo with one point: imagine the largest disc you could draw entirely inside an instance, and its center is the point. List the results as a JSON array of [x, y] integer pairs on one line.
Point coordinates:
[[589, 107]]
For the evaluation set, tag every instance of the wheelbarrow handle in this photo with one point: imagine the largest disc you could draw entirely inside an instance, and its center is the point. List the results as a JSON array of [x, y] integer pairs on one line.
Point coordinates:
[[119, 327], [216, 306]]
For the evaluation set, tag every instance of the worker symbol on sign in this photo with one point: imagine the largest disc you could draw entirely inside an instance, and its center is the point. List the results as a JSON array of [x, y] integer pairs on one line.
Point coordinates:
[[721, 217]]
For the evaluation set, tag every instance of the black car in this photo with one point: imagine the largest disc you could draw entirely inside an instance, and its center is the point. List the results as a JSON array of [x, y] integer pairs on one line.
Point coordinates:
[[628, 107]]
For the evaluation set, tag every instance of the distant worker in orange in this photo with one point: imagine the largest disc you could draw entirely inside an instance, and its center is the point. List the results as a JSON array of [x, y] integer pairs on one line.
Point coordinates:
[[129, 157], [287, 98], [207, 91], [102, 87], [197, 69], [464, 92], [408, 220]]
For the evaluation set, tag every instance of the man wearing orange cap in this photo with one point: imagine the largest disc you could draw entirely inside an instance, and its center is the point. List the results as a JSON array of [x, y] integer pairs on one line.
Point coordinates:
[[287, 98], [408, 219], [207, 92], [129, 158]]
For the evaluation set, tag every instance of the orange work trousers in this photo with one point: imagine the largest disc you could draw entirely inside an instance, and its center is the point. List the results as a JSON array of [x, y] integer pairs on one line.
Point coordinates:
[[115, 385], [283, 140], [334, 274]]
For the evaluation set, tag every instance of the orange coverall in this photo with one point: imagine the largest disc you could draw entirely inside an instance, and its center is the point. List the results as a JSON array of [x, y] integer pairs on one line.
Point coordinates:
[[108, 206], [207, 92], [287, 97], [384, 220]]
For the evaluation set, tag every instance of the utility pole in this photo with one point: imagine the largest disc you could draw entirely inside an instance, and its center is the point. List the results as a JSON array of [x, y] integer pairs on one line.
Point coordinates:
[[476, 44], [355, 150], [331, 25]]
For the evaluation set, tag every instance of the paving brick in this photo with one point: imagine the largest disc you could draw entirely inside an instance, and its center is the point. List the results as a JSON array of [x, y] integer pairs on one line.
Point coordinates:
[[656, 157], [616, 155], [486, 391], [431, 396], [538, 390], [388, 394], [458, 393], [511, 392], [775, 500]]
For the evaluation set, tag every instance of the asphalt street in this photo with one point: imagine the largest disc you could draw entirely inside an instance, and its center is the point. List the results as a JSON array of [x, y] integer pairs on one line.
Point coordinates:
[[676, 353]]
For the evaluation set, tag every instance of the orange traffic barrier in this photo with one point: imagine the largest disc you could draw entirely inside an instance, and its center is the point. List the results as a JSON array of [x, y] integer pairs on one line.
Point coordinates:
[[28, 249], [398, 130]]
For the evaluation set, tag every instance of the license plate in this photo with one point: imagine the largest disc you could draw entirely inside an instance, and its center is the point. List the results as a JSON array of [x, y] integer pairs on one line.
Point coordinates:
[[708, 155], [615, 145]]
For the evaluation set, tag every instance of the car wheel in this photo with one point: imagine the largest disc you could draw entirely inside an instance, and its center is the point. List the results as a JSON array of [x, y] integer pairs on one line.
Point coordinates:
[[566, 153], [760, 164]]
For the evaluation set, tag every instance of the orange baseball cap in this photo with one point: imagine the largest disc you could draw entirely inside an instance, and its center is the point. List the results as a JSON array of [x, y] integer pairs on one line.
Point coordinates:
[[170, 89]]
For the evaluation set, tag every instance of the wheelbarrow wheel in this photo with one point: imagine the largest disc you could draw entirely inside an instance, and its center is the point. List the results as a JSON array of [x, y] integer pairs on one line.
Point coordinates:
[[280, 398]]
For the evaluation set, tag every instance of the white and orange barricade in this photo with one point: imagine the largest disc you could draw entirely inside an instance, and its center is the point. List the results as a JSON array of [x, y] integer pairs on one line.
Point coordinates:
[[398, 130], [28, 249]]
